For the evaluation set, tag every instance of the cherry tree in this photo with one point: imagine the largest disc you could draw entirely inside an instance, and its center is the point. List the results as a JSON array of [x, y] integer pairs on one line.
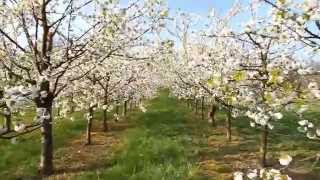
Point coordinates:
[[44, 41]]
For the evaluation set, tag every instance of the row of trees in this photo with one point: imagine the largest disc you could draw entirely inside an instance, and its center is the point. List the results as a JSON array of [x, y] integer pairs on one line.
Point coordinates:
[[259, 71], [59, 56]]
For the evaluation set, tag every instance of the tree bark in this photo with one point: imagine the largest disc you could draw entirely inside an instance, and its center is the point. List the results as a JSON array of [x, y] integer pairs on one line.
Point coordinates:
[[105, 120], [8, 121], [264, 145], [228, 125], [46, 162], [89, 126], [196, 106], [212, 115], [105, 113], [202, 108], [130, 105], [125, 109]]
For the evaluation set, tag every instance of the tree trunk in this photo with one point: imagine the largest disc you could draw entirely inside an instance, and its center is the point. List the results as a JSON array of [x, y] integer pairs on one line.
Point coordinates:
[[45, 103], [89, 126], [196, 106], [264, 145], [125, 108], [105, 120], [105, 113], [130, 105], [228, 125], [212, 115], [117, 112], [46, 163], [8, 120], [202, 108]]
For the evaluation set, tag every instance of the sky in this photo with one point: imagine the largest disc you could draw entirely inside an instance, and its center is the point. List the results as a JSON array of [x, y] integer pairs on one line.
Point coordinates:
[[201, 7]]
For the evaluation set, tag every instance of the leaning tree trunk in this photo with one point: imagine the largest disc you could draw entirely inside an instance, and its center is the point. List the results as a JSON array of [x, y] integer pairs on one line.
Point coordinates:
[[44, 104], [89, 126], [264, 145], [228, 124], [212, 115]]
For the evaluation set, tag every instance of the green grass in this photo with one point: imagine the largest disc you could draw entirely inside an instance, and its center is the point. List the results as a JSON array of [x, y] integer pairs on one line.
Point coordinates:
[[168, 142], [22, 159], [156, 149]]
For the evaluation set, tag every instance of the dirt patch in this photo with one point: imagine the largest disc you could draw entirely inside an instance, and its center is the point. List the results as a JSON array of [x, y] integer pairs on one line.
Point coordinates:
[[77, 157]]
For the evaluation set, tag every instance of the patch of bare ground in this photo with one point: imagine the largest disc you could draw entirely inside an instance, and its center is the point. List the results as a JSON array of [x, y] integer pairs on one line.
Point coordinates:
[[76, 157], [221, 158]]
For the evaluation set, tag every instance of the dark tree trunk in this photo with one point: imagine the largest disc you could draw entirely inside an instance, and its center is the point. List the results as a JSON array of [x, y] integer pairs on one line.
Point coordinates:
[[228, 125], [212, 115], [45, 103], [264, 145], [89, 126], [202, 108], [8, 121], [125, 108], [196, 106]]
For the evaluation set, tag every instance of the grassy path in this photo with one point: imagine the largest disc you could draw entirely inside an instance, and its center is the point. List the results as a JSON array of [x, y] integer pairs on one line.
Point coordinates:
[[157, 148], [168, 142]]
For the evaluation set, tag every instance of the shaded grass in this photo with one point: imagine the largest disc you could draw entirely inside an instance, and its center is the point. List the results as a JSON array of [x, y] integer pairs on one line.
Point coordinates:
[[22, 159]]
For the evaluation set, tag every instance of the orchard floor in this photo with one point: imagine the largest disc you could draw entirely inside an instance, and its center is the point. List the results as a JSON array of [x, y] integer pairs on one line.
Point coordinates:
[[171, 143]]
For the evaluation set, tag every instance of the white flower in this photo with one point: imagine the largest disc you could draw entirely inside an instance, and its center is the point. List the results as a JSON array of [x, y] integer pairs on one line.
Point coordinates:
[[253, 174], [262, 173], [318, 132], [311, 4], [280, 79], [19, 127], [252, 124], [313, 86], [302, 129], [43, 94], [6, 111], [278, 115], [270, 126], [104, 107], [238, 175], [311, 135], [310, 125], [303, 122], [285, 160]]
